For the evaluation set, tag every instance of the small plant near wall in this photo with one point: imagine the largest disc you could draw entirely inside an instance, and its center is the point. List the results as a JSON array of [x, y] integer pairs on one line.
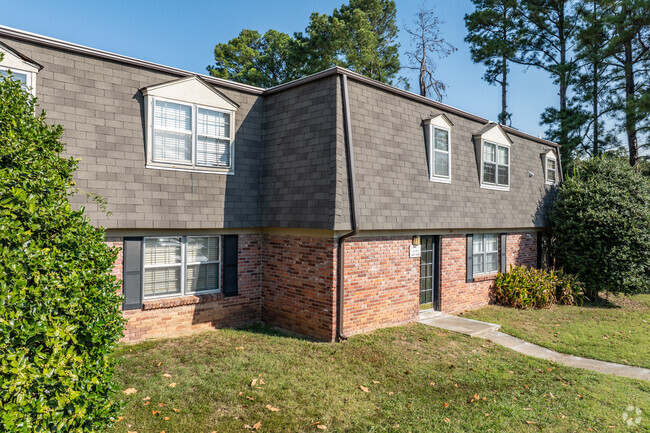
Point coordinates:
[[525, 287], [59, 310]]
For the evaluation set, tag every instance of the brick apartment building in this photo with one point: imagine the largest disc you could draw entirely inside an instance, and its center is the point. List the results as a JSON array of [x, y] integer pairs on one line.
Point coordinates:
[[328, 206]]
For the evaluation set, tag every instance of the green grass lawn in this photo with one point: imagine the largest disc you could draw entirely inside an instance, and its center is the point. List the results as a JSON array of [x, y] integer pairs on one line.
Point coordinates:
[[616, 329], [406, 379]]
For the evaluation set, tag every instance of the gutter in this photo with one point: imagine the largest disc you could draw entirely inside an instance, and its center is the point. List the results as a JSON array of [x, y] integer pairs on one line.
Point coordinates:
[[352, 186]]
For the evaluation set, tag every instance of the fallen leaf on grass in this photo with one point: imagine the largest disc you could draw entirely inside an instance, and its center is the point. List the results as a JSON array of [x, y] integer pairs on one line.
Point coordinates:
[[321, 427], [175, 410], [446, 404], [487, 414], [146, 398], [530, 422], [391, 393], [376, 382], [528, 408], [130, 391], [447, 420], [363, 388], [155, 412], [159, 364], [172, 385], [239, 348], [253, 382], [257, 425], [271, 408], [167, 375], [161, 404], [250, 398], [119, 418], [166, 418]]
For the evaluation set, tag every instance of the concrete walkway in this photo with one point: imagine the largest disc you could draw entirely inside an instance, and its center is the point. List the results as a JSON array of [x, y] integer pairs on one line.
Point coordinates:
[[490, 331]]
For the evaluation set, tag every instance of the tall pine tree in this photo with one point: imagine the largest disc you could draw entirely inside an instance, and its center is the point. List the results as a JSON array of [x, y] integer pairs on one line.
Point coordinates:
[[495, 36]]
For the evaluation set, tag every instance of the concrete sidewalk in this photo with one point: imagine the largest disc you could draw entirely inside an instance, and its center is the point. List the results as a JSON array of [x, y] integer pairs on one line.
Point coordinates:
[[490, 331]]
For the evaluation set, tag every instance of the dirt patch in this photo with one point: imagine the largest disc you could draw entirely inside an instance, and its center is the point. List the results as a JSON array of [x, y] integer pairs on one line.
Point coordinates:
[[624, 302]]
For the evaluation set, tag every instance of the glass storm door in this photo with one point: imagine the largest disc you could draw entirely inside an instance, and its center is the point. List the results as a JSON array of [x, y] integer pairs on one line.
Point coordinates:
[[429, 270]]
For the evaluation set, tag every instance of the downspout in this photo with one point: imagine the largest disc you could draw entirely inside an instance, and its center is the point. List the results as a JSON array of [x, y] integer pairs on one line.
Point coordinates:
[[352, 186]]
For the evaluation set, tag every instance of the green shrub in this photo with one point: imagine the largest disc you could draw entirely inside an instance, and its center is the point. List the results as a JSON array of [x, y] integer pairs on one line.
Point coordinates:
[[59, 311], [601, 224], [525, 287]]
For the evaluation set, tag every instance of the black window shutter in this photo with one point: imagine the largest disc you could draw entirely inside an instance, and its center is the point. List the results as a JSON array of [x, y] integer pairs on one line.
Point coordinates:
[[230, 276], [132, 273], [470, 258], [504, 251]]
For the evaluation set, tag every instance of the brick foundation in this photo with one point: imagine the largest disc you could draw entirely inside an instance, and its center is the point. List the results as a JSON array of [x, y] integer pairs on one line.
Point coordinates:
[[290, 282]]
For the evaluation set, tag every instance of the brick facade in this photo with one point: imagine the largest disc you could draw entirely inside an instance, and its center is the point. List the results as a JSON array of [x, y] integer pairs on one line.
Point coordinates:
[[173, 317], [381, 283], [299, 287], [290, 282]]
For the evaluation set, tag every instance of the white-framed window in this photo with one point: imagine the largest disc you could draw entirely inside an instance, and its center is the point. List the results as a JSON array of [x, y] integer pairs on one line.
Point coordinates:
[[495, 165], [439, 144], [181, 265], [191, 135], [551, 169], [190, 126], [26, 79], [485, 253]]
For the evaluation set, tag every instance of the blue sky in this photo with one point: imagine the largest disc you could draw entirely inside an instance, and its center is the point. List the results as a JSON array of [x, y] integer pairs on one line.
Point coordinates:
[[183, 35]]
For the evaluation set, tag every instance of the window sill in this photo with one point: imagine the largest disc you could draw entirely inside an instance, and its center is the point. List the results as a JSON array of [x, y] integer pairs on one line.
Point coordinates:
[[485, 277], [155, 304], [191, 170], [440, 179], [495, 188]]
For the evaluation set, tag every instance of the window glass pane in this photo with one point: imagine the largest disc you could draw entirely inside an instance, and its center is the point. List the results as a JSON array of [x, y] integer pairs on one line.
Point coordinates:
[[503, 155], [478, 263], [441, 164], [503, 175], [489, 175], [16, 76], [491, 243], [491, 262], [489, 152], [213, 123], [173, 116], [202, 277], [442, 139], [162, 281], [172, 146], [162, 251], [202, 249], [211, 152], [478, 244], [551, 164], [551, 176]]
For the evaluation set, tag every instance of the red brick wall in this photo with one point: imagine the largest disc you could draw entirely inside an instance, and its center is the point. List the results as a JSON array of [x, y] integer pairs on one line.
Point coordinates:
[[118, 264], [299, 285], [381, 283], [456, 294], [179, 316]]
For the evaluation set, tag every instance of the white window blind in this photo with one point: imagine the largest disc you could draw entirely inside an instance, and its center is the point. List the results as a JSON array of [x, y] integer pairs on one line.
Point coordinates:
[[485, 253], [162, 266]]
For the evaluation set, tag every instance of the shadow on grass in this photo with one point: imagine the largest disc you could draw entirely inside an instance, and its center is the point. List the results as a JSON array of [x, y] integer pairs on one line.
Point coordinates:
[[271, 331]]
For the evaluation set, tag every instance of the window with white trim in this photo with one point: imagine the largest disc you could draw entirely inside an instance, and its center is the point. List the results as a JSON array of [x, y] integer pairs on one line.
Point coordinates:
[[495, 168], [191, 135], [181, 265], [551, 169], [485, 253], [439, 144], [441, 154]]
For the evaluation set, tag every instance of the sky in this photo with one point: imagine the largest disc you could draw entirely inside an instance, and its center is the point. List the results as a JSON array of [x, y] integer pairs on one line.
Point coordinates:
[[183, 35]]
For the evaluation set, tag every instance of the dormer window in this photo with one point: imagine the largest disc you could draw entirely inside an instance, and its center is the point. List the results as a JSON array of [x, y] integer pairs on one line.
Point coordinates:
[[439, 146], [551, 168], [494, 150], [19, 67], [190, 127]]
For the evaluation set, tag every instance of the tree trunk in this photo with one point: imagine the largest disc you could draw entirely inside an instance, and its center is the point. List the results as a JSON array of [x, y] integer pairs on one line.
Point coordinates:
[[423, 68], [563, 78], [630, 112], [594, 95]]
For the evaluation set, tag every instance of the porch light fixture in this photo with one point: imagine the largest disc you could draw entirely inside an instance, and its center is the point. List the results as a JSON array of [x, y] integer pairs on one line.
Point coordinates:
[[416, 240]]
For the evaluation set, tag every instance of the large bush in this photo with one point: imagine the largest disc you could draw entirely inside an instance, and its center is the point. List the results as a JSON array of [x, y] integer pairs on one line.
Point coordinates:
[[525, 287], [601, 223], [59, 311]]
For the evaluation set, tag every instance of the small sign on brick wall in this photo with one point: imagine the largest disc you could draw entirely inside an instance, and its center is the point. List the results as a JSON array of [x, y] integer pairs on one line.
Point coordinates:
[[416, 251]]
